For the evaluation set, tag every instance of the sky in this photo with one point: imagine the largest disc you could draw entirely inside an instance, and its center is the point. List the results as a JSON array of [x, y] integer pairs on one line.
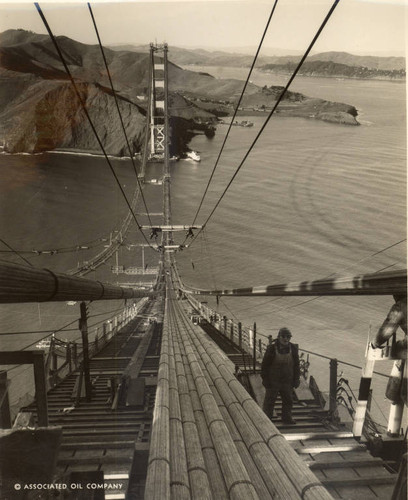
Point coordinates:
[[371, 27]]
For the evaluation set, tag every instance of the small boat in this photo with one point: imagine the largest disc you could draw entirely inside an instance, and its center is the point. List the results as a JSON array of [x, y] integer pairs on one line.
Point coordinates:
[[193, 155], [236, 123]]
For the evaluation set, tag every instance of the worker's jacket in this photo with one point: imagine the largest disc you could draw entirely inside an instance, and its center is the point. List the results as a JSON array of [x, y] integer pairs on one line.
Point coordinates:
[[280, 368]]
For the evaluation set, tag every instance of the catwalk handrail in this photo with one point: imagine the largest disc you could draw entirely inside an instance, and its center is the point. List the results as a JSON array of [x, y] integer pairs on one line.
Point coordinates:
[[246, 338]]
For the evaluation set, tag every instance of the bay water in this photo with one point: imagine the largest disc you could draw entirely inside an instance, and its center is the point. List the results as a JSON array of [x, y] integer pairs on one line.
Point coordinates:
[[312, 199]]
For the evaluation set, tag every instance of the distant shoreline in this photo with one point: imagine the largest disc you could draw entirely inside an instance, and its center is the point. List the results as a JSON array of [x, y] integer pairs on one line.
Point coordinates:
[[69, 152], [200, 68]]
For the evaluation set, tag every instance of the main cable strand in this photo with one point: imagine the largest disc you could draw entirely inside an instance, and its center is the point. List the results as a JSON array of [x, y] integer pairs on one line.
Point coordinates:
[[282, 94], [89, 118], [235, 111], [119, 112]]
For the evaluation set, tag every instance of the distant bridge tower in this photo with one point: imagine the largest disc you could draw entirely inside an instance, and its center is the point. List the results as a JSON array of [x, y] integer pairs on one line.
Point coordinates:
[[158, 101]]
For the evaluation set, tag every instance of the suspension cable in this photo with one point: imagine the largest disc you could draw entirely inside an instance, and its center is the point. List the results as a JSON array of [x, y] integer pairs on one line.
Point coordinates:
[[330, 275], [53, 251], [281, 95], [119, 112], [17, 253], [236, 110], [89, 118]]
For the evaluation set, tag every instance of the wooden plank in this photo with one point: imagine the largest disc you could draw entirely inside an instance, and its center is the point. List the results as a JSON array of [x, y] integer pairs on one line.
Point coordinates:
[[97, 444], [306, 436], [342, 474], [257, 388], [135, 392], [136, 362], [346, 463], [358, 493], [353, 482], [96, 460], [329, 448], [303, 393]]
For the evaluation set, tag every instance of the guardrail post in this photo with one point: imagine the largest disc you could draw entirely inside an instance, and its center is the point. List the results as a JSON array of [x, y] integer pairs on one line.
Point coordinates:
[[240, 335], [254, 347], [397, 406], [68, 356], [85, 350], [5, 418], [54, 360], [333, 386], [75, 354], [232, 332], [225, 325], [40, 388]]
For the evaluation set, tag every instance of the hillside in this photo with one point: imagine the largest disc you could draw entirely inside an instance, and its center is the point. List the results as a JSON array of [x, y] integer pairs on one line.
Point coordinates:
[[201, 57], [39, 110], [329, 69]]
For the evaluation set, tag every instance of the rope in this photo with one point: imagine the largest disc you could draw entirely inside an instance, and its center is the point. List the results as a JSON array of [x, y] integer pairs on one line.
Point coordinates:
[[282, 94], [236, 110], [15, 251], [119, 113], [89, 118], [53, 251]]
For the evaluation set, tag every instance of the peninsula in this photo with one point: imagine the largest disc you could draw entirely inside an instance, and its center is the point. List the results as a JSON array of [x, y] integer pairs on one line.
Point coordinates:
[[39, 110]]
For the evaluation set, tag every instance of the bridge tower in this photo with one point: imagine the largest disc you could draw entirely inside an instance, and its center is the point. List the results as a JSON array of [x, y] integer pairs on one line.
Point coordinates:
[[157, 102]]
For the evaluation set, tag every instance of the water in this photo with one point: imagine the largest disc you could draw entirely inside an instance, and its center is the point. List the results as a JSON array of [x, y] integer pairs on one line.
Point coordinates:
[[312, 199]]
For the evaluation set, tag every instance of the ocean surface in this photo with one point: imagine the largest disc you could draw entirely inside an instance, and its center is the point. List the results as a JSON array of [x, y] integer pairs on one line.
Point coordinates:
[[312, 199]]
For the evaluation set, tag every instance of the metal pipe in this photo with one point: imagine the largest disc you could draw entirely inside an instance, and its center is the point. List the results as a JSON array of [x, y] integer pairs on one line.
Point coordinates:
[[28, 284], [385, 283]]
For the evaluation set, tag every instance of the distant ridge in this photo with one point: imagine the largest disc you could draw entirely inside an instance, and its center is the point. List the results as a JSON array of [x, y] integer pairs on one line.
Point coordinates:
[[205, 57], [39, 110]]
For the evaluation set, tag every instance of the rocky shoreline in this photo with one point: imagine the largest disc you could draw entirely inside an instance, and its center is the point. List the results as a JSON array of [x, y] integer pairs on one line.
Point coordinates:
[[39, 110]]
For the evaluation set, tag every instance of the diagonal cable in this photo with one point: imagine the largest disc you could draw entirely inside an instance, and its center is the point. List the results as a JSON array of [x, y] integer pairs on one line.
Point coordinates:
[[282, 94], [15, 251], [236, 110], [119, 113], [89, 118]]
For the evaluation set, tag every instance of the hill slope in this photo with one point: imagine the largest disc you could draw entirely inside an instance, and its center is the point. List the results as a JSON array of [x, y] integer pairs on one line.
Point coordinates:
[[201, 57], [40, 111]]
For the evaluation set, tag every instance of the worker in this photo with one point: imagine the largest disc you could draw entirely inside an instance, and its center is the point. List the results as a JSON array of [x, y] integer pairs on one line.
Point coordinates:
[[280, 374], [397, 317]]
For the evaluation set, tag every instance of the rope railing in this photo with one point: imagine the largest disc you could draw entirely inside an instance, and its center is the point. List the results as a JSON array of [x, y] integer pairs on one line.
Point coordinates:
[[254, 343], [65, 357], [105, 254]]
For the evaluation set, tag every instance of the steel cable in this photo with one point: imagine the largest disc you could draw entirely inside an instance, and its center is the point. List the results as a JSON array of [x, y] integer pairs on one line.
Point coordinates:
[[281, 95], [235, 111], [89, 118], [119, 112]]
